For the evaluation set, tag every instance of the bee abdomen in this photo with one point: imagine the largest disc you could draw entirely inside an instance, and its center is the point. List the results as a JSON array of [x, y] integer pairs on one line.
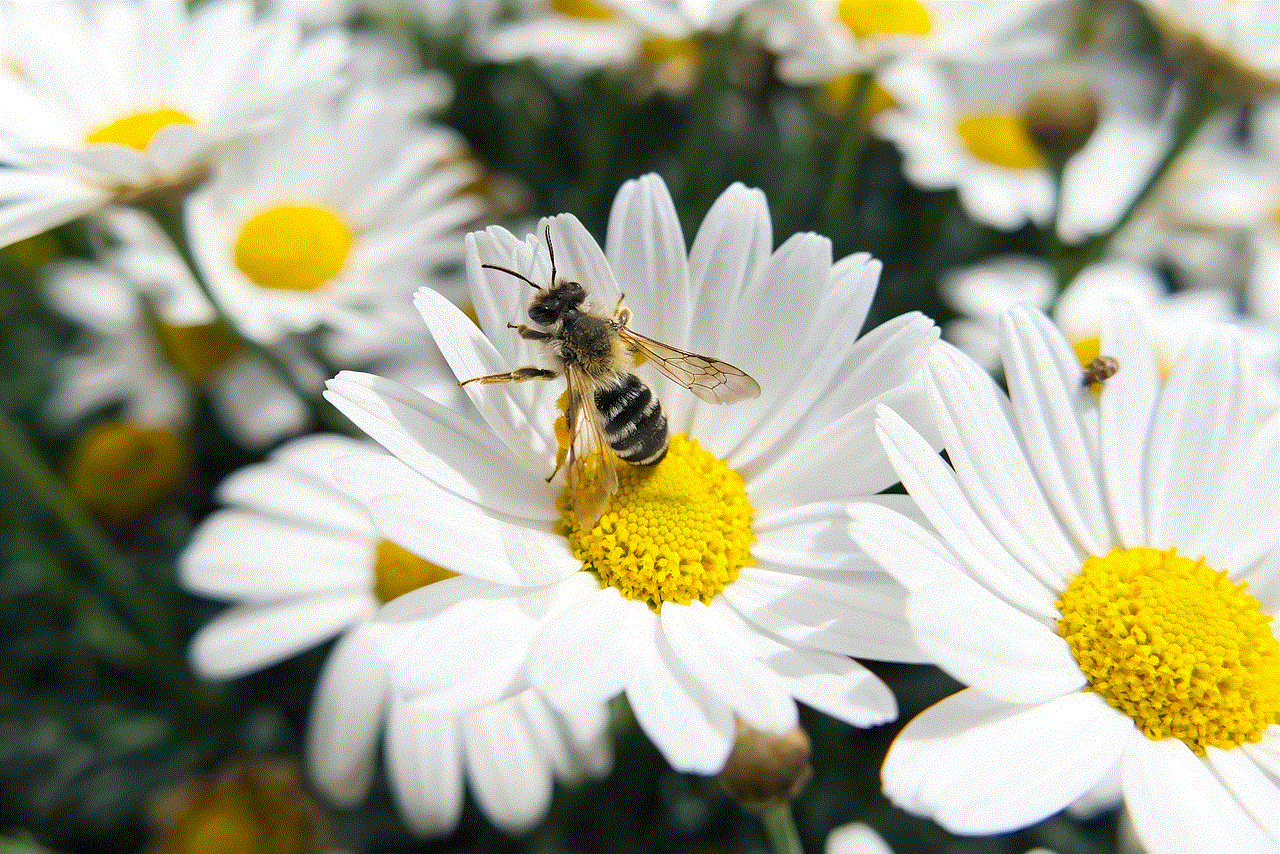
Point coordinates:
[[634, 424]]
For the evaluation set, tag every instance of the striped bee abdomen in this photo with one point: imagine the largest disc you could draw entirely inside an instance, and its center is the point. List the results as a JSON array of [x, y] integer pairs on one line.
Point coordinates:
[[634, 424]]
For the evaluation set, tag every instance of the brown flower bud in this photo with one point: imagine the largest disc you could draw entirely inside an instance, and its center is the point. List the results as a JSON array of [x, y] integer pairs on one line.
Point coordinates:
[[1061, 115], [766, 769]]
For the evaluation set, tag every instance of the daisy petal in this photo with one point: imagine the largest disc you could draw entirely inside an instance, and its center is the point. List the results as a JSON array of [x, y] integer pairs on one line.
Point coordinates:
[[346, 718], [274, 490], [834, 685], [1250, 786], [247, 638], [1179, 807], [1007, 654], [980, 766], [900, 546], [424, 764], [508, 772]]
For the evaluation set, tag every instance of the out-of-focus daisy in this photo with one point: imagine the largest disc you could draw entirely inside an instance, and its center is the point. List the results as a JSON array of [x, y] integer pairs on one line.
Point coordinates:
[[130, 356], [1236, 44], [1104, 574], [858, 838], [257, 807], [349, 205], [289, 509], [820, 39], [718, 582], [137, 97]]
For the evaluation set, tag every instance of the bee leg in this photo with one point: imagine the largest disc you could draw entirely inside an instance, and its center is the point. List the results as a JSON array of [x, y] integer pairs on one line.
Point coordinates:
[[518, 375], [530, 334]]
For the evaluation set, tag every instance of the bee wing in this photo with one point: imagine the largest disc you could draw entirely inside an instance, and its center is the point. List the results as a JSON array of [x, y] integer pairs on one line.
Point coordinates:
[[592, 476], [710, 379]]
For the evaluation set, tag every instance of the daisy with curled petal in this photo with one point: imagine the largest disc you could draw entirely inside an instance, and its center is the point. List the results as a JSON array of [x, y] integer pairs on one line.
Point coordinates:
[[139, 96], [718, 582], [817, 40], [290, 509], [346, 206], [1104, 576]]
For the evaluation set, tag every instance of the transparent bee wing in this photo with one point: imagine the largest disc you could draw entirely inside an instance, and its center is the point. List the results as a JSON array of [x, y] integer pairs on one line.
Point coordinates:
[[710, 379], [592, 476]]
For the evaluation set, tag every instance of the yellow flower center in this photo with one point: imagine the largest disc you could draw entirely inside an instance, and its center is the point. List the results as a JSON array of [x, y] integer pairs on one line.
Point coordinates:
[[835, 93], [197, 351], [885, 17], [137, 130], [120, 471], [1178, 647], [674, 532], [239, 817], [999, 138], [293, 247], [584, 9], [396, 571]]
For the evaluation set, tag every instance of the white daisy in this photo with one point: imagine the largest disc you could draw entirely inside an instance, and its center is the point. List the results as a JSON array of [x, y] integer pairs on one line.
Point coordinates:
[[819, 39], [1104, 576], [135, 96], [1239, 38], [762, 598], [348, 206], [289, 510]]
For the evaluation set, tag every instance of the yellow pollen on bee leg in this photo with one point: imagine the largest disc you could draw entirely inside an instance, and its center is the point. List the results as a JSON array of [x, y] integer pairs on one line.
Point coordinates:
[[1001, 139], [396, 571], [674, 532], [1177, 646], [293, 247], [885, 17], [138, 129]]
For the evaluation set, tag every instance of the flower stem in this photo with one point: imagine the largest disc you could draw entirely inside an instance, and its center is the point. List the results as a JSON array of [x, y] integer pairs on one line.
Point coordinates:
[[1201, 102], [845, 173], [781, 829], [701, 126]]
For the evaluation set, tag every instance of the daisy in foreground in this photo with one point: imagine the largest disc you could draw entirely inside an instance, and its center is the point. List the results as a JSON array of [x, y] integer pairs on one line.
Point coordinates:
[[1104, 576], [289, 511], [719, 581]]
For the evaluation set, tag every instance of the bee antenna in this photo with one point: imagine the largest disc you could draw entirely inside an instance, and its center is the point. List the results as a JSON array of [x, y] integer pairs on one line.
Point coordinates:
[[551, 252], [511, 273]]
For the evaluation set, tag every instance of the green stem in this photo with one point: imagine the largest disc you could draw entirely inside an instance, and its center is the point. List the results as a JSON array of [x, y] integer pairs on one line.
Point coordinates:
[[845, 172], [781, 829], [701, 128], [126, 589], [321, 412], [1201, 102], [601, 145]]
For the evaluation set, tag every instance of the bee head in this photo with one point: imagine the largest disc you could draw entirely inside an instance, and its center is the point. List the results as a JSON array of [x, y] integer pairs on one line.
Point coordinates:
[[550, 306]]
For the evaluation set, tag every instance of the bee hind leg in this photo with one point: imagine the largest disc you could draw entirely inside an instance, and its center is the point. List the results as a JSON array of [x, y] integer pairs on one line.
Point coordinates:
[[530, 334], [516, 376]]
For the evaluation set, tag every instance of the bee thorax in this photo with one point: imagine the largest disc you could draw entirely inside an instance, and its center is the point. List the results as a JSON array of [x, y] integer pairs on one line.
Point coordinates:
[[634, 424]]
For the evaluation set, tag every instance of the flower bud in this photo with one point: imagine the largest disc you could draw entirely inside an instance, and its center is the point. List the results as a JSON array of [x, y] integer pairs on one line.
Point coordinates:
[[766, 769], [1062, 114]]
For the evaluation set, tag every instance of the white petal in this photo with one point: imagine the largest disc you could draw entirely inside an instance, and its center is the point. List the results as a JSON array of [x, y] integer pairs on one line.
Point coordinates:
[[735, 238], [710, 642], [424, 764], [983, 642], [1124, 415], [833, 684], [584, 656], [1057, 419], [1177, 805], [1250, 786], [855, 839], [979, 766], [250, 637], [346, 718], [901, 546], [284, 493], [692, 731], [508, 771]]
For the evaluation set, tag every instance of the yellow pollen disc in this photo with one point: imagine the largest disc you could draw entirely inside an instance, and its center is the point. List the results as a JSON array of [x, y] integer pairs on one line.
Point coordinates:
[[293, 247], [197, 351], [584, 9], [999, 138], [674, 532], [137, 130], [396, 571], [885, 17], [1178, 647], [836, 92], [239, 817], [119, 471]]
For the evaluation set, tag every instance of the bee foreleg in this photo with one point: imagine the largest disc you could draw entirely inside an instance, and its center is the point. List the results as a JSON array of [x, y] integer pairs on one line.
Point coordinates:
[[530, 334], [518, 375]]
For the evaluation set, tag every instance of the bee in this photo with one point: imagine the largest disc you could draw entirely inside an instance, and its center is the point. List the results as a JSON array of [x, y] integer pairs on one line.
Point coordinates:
[[607, 410], [1100, 369]]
